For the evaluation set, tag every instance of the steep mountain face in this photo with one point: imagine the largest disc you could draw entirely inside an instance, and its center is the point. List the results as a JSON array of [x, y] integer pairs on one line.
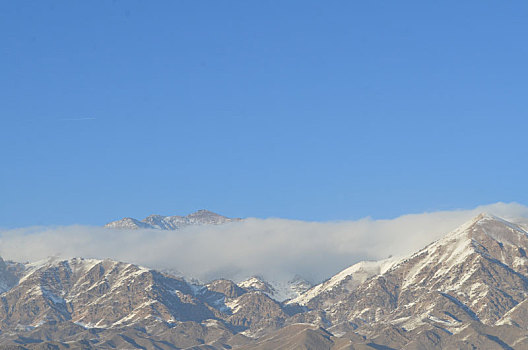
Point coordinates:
[[468, 290], [200, 217]]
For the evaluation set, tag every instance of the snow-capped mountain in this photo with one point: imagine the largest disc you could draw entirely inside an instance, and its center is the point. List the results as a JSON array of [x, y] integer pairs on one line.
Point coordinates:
[[468, 290], [200, 217], [477, 273]]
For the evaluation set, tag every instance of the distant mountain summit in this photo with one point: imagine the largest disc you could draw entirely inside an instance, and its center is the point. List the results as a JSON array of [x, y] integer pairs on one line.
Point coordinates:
[[200, 217]]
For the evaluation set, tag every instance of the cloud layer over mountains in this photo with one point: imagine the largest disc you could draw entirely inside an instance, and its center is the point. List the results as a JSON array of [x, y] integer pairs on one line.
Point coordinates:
[[277, 249]]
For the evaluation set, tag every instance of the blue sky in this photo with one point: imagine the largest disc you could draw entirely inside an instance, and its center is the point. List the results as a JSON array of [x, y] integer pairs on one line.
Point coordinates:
[[297, 109]]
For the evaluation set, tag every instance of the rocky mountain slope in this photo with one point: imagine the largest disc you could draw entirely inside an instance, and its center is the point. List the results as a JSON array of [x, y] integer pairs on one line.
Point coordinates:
[[200, 217], [468, 290], [93, 301]]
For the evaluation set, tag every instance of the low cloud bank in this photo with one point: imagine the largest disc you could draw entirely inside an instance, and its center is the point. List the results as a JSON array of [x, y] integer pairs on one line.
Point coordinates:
[[277, 249]]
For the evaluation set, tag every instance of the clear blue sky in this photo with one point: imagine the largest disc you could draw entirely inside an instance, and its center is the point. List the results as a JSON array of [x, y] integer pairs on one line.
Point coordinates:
[[313, 110]]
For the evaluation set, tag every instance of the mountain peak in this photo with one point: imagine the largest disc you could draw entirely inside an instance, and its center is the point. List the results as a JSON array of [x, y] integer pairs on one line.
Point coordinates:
[[466, 273], [204, 213], [257, 283], [483, 223], [485, 216], [489, 225], [154, 216]]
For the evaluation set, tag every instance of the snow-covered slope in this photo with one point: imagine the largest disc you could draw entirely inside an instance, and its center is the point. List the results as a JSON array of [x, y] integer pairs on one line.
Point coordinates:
[[85, 290], [476, 273], [351, 276]]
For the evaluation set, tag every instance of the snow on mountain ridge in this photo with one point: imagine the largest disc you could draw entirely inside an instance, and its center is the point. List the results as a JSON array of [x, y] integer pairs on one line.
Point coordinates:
[[278, 290], [127, 223], [358, 273]]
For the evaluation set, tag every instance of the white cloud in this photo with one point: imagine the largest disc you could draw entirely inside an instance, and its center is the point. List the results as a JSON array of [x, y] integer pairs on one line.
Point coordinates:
[[274, 248]]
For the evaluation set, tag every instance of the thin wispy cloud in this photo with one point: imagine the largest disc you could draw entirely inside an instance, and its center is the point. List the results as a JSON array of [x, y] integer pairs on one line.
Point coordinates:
[[277, 249]]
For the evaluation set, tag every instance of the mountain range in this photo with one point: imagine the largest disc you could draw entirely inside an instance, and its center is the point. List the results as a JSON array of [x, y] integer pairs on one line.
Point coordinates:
[[467, 290], [200, 217]]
